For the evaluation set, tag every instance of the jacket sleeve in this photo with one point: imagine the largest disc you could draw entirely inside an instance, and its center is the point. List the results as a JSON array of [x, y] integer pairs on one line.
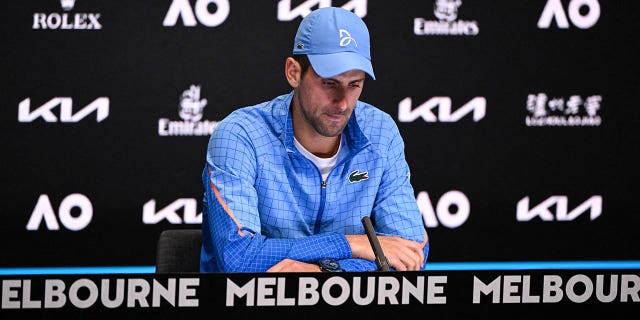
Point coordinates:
[[358, 265], [396, 211], [232, 239]]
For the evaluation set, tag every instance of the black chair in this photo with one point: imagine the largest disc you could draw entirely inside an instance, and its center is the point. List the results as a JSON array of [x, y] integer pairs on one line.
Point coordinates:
[[179, 251]]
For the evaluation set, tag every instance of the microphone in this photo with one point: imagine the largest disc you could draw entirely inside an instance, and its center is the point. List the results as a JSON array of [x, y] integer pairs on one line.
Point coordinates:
[[381, 260]]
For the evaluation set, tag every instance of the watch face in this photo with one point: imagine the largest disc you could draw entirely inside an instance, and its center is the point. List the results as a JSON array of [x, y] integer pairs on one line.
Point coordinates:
[[329, 265]]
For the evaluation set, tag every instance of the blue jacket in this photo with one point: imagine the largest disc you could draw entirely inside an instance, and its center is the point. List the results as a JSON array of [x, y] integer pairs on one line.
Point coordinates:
[[264, 201]]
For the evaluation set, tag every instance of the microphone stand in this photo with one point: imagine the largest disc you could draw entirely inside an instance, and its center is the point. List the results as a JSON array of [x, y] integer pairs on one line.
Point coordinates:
[[381, 259]]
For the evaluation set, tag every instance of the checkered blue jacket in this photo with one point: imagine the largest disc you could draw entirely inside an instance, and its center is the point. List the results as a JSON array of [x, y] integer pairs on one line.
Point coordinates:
[[264, 201]]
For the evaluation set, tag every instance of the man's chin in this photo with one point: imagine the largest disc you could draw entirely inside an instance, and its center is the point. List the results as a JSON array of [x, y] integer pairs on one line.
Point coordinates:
[[332, 131]]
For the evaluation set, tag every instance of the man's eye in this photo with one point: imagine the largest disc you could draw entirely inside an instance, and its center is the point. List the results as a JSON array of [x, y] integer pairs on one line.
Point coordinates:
[[355, 85], [329, 83]]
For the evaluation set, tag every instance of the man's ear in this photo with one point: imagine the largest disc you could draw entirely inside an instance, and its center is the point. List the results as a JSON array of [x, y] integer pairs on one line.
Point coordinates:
[[292, 72]]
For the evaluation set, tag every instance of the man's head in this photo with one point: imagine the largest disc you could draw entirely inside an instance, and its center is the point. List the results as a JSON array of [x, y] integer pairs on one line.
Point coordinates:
[[335, 40], [327, 71]]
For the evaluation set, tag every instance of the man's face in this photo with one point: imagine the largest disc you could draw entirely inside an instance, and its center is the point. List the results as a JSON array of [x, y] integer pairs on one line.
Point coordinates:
[[327, 103]]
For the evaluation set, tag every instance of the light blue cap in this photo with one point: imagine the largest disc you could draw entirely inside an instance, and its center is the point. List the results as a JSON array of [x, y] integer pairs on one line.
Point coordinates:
[[335, 40]]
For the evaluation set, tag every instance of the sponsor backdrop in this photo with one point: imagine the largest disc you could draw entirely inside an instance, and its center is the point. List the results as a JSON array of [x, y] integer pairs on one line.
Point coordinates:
[[520, 120]]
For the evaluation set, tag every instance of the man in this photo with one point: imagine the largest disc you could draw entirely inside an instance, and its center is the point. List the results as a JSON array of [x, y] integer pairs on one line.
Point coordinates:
[[288, 181]]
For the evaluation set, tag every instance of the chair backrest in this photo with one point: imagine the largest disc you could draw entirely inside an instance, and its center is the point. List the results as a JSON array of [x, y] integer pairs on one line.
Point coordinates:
[[179, 251]]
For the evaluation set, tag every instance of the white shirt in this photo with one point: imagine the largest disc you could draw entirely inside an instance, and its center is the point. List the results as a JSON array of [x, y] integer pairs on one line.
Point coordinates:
[[325, 165]]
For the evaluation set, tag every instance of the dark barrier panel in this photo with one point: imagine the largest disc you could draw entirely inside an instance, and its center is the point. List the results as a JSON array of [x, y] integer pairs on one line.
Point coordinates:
[[523, 294]]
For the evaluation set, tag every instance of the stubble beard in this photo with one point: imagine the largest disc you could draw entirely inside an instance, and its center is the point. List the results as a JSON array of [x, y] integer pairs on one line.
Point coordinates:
[[320, 127]]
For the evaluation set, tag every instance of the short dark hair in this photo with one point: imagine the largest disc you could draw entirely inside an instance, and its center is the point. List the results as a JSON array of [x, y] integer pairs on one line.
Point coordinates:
[[303, 60]]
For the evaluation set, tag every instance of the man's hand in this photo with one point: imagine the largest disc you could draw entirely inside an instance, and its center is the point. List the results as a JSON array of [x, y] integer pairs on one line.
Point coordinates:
[[402, 254], [288, 265]]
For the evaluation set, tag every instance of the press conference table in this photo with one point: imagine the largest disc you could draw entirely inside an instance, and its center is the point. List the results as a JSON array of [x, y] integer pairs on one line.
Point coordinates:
[[521, 294]]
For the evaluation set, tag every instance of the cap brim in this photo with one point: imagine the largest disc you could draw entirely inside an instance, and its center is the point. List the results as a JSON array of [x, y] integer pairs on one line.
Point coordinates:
[[333, 64]]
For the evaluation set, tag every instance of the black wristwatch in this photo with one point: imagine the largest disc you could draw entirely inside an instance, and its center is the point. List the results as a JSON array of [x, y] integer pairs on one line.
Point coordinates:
[[329, 265]]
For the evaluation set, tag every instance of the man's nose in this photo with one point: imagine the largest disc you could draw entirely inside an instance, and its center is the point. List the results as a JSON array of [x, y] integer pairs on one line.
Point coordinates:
[[340, 98]]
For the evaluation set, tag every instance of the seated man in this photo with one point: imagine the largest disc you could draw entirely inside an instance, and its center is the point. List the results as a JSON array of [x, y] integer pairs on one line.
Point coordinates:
[[288, 181]]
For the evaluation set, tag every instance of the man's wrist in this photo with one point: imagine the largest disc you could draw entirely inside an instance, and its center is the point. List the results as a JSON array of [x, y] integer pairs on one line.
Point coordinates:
[[329, 265]]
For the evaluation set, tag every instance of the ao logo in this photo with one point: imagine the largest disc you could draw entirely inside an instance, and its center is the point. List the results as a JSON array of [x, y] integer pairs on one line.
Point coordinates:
[[286, 13], [554, 9], [442, 213], [182, 8], [44, 211]]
